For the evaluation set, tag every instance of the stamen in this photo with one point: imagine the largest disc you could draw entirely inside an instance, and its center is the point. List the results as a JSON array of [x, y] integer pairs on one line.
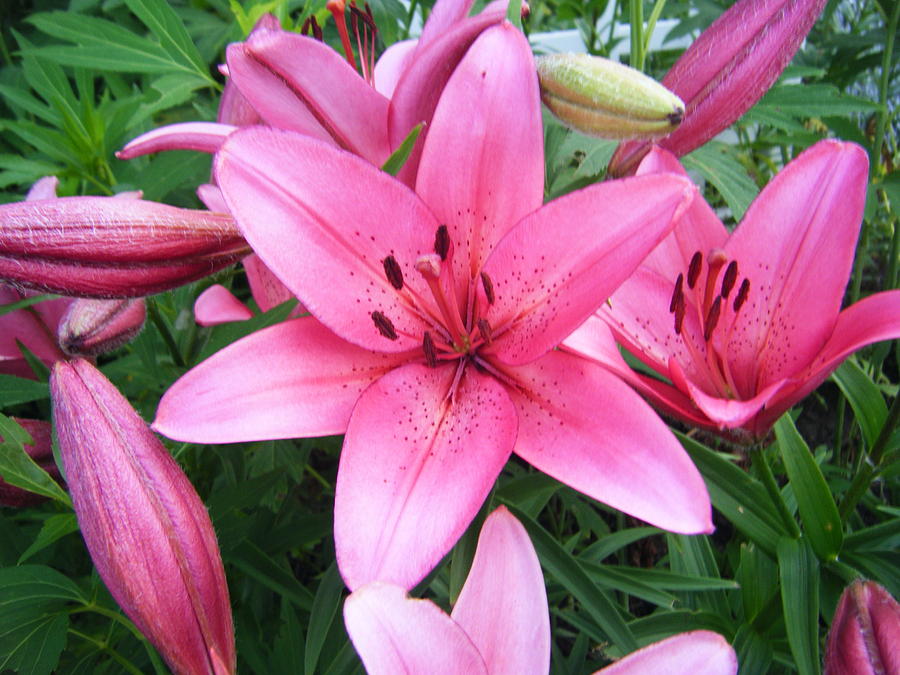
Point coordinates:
[[679, 314], [729, 278], [336, 7], [393, 272], [485, 329], [311, 27], [488, 287], [741, 297], [428, 348], [442, 242], [676, 295], [694, 269], [366, 43], [384, 325], [714, 262], [712, 318]]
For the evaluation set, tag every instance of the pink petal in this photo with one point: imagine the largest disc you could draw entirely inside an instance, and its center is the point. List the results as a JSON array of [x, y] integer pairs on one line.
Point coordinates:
[[700, 652], [289, 195], [444, 15], [212, 198], [395, 634], [587, 429], [218, 305], [43, 188], [503, 604], [562, 262], [292, 80], [34, 331], [392, 64], [415, 468], [482, 176], [796, 246], [267, 289], [200, 136], [294, 379]]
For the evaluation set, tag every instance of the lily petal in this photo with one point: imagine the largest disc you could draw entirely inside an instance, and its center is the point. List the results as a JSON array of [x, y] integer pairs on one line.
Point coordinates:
[[392, 64], [503, 604], [561, 262], [267, 289], [481, 177], [700, 651], [43, 188], [288, 194], [444, 15], [415, 468], [200, 136], [294, 379], [218, 305], [796, 246], [395, 634], [586, 428]]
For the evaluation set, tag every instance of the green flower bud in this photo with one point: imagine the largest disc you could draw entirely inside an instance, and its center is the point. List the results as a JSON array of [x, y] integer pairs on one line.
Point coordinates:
[[604, 98]]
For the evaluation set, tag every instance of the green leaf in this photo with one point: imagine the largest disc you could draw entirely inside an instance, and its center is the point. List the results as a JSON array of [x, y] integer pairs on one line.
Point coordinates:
[[818, 512], [24, 302], [16, 390], [611, 543], [693, 556], [865, 398], [33, 646], [754, 652], [55, 527], [799, 576], [569, 572], [882, 537], [257, 564], [717, 165], [18, 469], [324, 609], [225, 334], [756, 574], [614, 578], [815, 100], [398, 158]]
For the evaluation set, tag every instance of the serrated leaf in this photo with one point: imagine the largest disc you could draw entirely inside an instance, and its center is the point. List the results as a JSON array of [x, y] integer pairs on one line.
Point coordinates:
[[33, 646], [324, 609], [799, 576], [55, 527], [715, 162], [18, 469], [865, 398], [818, 512]]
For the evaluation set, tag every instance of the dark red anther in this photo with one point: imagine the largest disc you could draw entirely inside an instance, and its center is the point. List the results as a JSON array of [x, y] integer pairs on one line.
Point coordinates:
[[712, 318], [485, 329], [679, 314], [428, 348], [393, 272], [488, 286], [384, 325], [311, 27], [442, 242], [741, 297], [729, 278], [677, 293], [694, 269]]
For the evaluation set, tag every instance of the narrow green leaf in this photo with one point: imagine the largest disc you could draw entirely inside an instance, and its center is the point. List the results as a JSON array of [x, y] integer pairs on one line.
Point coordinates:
[[514, 13], [717, 165], [818, 512], [398, 158], [757, 576], [464, 552], [24, 302], [255, 563], [611, 543], [815, 100], [754, 652], [55, 527], [18, 469], [16, 390], [693, 556], [613, 578], [799, 576], [865, 398], [882, 537], [324, 609], [568, 571]]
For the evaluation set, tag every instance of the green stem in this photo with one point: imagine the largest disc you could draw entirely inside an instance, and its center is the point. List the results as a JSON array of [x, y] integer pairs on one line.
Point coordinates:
[[166, 334], [887, 55], [104, 647], [637, 34], [7, 57], [319, 477], [764, 472], [871, 468], [839, 429], [413, 5], [859, 263], [110, 614]]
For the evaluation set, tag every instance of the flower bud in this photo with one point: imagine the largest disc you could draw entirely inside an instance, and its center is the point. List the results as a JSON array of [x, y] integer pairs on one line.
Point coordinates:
[[146, 529], [41, 451], [108, 247], [864, 633], [604, 98], [91, 327]]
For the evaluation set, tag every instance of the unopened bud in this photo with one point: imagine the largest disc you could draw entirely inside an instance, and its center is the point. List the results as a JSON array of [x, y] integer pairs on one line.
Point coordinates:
[[604, 98], [92, 327], [864, 633]]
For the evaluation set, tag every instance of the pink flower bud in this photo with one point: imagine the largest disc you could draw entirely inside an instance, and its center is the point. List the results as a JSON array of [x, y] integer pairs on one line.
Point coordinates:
[[146, 529], [91, 327], [727, 70], [865, 632], [108, 247], [41, 451]]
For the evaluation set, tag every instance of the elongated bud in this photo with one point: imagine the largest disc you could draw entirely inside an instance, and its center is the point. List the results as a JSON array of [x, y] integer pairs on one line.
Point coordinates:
[[91, 327], [41, 451], [146, 529], [604, 98], [727, 70], [865, 632], [107, 247]]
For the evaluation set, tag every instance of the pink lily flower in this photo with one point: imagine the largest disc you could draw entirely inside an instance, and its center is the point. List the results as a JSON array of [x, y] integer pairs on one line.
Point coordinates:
[[700, 651], [746, 325], [726, 71], [298, 83], [145, 527], [435, 318], [865, 632], [500, 623]]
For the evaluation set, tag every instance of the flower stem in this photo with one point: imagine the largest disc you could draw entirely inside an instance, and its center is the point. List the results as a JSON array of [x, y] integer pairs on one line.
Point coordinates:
[[104, 647], [166, 334], [886, 56], [764, 473], [637, 34]]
